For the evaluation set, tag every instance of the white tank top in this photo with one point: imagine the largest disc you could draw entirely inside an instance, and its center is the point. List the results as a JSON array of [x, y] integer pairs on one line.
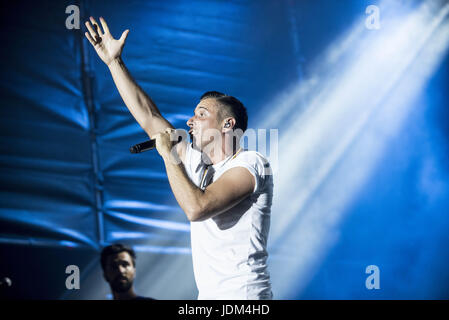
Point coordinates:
[[229, 250]]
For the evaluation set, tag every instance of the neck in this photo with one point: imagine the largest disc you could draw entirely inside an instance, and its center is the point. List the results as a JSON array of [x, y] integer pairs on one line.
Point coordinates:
[[128, 295], [217, 153]]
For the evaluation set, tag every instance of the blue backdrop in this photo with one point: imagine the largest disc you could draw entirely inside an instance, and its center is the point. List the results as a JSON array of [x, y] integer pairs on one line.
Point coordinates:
[[69, 185]]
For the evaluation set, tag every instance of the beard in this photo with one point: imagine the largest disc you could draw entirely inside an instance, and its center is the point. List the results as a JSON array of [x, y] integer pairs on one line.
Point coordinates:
[[121, 286]]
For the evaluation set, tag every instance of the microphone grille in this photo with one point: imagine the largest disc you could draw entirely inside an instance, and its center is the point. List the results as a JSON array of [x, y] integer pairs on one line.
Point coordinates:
[[134, 149]]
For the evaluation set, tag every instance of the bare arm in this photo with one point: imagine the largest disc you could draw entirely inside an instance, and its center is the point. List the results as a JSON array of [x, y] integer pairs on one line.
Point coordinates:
[[198, 205], [140, 105], [143, 109], [231, 188]]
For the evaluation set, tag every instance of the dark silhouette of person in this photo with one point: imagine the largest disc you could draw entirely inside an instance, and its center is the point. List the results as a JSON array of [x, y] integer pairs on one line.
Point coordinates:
[[119, 270]]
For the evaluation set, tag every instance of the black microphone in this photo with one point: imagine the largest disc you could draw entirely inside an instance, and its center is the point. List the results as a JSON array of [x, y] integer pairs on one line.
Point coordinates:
[[147, 145], [5, 282], [143, 146]]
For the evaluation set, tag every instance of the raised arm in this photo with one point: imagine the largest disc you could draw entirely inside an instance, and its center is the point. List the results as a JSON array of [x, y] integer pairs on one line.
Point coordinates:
[[140, 105]]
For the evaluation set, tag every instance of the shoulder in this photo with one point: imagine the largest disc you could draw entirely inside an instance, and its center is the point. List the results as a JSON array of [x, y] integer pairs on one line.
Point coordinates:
[[255, 159], [256, 164]]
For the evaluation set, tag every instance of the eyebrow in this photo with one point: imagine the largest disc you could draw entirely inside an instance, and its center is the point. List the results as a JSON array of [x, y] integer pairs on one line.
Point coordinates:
[[119, 261], [202, 108]]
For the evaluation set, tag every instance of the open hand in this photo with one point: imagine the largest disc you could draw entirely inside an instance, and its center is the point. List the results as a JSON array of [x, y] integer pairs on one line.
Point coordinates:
[[107, 48]]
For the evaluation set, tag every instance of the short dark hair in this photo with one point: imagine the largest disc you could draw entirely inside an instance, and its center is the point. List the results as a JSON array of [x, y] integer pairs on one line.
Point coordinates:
[[232, 107], [114, 249]]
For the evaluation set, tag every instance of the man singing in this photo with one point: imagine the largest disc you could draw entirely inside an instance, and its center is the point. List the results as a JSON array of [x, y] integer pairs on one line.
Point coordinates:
[[225, 191]]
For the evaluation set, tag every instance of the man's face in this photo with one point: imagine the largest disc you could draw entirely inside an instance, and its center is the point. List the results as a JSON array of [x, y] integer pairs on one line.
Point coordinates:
[[120, 271], [204, 123]]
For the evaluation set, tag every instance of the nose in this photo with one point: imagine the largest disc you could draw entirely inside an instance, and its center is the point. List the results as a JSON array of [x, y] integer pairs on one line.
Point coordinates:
[[190, 122]]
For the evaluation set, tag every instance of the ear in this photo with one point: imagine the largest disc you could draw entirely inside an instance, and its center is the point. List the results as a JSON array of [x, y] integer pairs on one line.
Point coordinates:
[[228, 124]]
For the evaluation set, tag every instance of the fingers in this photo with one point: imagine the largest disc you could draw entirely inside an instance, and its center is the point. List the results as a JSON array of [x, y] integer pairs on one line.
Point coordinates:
[[88, 36], [97, 27], [104, 25], [94, 37], [124, 35], [92, 33], [166, 133], [175, 135]]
